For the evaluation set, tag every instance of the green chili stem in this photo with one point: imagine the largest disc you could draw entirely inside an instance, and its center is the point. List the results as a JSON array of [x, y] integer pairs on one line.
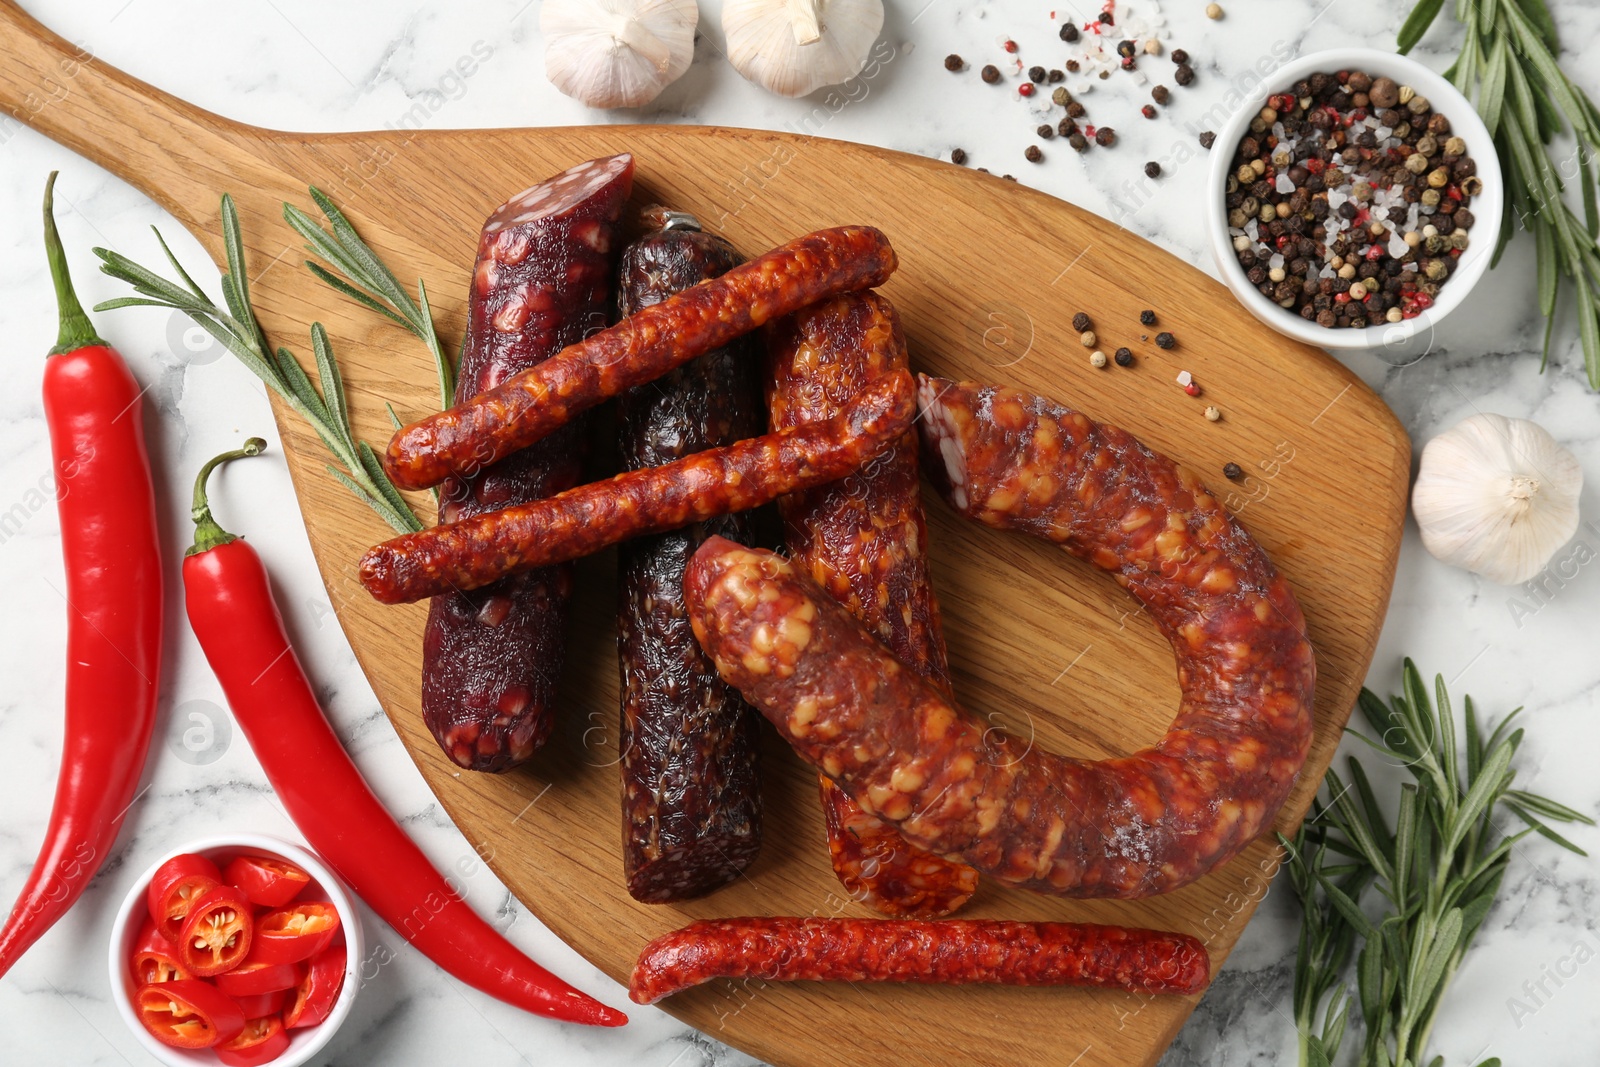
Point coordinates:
[[207, 534]]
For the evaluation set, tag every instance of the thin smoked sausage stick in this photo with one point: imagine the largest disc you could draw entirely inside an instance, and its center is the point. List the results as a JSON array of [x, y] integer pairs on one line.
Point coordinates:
[[865, 541], [1132, 826], [736, 477], [641, 348]]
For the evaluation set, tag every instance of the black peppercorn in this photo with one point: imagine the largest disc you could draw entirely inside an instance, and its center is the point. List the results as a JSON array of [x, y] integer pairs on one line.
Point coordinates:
[[1046, 131], [1161, 94], [1033, 155], [1009, 177], [1232, 471], [953, 62], [1152, 169], [1147, 318], [1125, 48], [1207, 139], [1124, 357], [1036, 74], [1076, 110], [1105, 137], [1055, 76], [1183, 75], [1078, 141], [1066, 127], [1106, 18], [958, 156], [1165, 340], [1179, 56], [1081, 322], [990, 74], [1069, 31]]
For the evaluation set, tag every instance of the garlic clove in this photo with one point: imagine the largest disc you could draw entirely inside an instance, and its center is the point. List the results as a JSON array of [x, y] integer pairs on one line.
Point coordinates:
[[617, 53], [795, 47], [1497, 496]]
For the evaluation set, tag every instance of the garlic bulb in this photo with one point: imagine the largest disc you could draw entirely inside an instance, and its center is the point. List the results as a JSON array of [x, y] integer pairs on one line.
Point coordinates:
[[795, 47], [617, 53], [1497, 496]]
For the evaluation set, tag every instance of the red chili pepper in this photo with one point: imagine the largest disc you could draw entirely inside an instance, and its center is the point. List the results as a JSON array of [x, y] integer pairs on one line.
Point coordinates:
[[237, 623], [113, 602]]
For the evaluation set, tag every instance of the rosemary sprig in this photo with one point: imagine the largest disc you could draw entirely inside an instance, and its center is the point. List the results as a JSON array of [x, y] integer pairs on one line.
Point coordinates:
[[364, 278], [237, 328], [1434, 876], [1507, 67]]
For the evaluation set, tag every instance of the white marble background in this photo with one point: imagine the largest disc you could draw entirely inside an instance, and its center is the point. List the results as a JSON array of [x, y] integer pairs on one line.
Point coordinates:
[[301, 64]]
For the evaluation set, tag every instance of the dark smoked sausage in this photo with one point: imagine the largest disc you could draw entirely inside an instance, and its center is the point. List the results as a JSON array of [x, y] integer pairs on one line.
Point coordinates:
[[746, 474], [520, 410], [492, 657], [1132, 826], [864, 540], [691, 806], [955, 951]]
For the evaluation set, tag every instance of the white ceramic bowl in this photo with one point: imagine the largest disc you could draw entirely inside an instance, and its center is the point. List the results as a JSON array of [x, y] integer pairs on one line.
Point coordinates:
[[304, 1043], [1487, 209]]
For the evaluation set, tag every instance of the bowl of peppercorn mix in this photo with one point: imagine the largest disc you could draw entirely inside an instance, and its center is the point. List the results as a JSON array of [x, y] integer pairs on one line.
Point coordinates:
[[1355, 204]]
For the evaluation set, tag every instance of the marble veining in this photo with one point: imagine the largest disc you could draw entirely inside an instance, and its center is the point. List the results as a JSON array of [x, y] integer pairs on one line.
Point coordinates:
[[1526, 993]]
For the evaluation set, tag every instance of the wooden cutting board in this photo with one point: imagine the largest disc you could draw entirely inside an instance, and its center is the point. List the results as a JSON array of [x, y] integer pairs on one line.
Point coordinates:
[[1043, 646]]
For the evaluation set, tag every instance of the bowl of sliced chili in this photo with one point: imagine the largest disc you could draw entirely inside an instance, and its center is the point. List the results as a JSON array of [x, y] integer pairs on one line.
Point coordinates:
[[239, 950]]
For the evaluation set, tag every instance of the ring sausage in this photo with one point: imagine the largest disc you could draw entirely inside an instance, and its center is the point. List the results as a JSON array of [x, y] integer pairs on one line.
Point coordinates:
[[641, 348], [1133, 826]]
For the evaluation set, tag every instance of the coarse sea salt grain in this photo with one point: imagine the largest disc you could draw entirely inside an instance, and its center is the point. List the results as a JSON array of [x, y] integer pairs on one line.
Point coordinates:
[[1285, 185], [1336, 199], [1184, 377], [1397, 245], [1276, 262]]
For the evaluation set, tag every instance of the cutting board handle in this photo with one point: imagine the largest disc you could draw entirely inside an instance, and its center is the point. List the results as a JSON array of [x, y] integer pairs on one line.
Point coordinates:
[[169, 150]]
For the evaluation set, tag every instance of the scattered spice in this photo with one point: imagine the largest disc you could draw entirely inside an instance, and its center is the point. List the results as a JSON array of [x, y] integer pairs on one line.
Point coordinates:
[[1081, 322], [1076, 110], [1087, 338], [1105, 137], [1078, 141], [1232, 471], [1106, 19], [953, 62], [1152, 169], [1161, 94], [1033, 154], [990, 73], [1055, 76], [1152, 46], [1061, 98], [1066, 127], [1166, 340], [1009, 177], [1046, 131], [1148, 111], [1010, 46], [1193, 389], [1125, 49], [958, 156], [1179, 56], [1124, 357], [1097, 358], [1036, 74], [1069, 32], [1025, 89], [1184, 75], [1147, 318], [1207, 139], [1213, 415], [1345, 212], [1213, 11]]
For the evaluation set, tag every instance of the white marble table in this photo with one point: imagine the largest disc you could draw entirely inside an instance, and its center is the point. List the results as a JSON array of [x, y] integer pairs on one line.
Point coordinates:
[[307, 65]]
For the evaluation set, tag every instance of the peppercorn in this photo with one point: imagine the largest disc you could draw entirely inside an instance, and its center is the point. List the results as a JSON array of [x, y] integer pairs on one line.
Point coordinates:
[[1166, 340], [1148, 111], [1207, 139], [1106, 19], [1081, 322], [953, 62], [1097, 358], [1184, 74], [958, 156], [1179, 56], [1212, 413], [1087, 338], [1069, 32], [1147, 318], [1076, 110], [1130, 63], [1231, 471], [1009, 177], [1010, 45], [1152, 169], [1055, 76], [1124, 357], [1025, 89], [1213, 11], [1046, 131], [990, 73], [1161, 94], [1078, 141], [1032, 154], [1066, 127], [1036, 73], [1061, 98], [1105, 137]]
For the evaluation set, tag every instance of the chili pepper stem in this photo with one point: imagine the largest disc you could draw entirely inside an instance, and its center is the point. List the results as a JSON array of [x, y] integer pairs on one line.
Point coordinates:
[[207, 534], [76, 329]]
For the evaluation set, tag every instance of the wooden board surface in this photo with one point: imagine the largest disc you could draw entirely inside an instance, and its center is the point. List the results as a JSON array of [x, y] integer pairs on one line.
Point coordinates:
[[1042, 645]]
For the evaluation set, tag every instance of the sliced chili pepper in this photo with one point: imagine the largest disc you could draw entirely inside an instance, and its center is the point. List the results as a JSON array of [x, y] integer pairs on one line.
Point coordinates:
[[317, 992], [256, 1005], [112, 553], [154, 959], [257, 976], [269, 882], [188, 1013], [216, 936], [237, 623], [174, 888], [261, 1041], [290, 935]]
